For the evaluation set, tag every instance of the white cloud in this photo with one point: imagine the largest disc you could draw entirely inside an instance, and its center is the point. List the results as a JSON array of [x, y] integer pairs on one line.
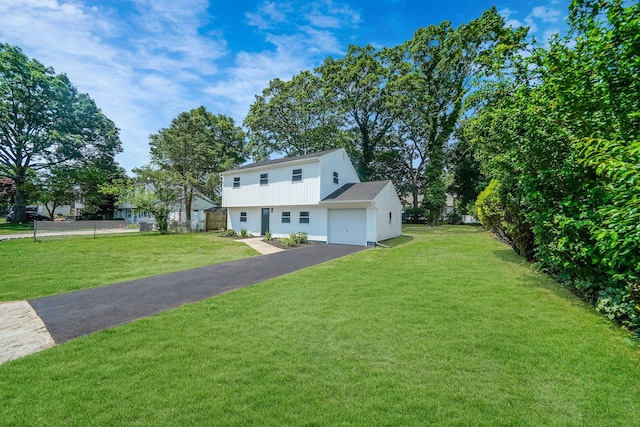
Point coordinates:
[[137, 67], [325, 14], [546, 14], [269, 15], [535, 19], [300, 43], [144, 65]]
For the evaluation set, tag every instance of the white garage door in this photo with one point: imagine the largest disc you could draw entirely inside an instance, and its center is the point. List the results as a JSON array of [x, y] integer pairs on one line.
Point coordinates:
[[348, 226]]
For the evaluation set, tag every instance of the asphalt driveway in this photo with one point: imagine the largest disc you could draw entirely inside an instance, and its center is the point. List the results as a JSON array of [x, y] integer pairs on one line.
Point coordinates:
[[75, 314]]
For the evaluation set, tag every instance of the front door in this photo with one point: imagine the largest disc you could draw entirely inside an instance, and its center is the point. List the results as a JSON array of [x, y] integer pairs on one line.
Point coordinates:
[[265, 221]]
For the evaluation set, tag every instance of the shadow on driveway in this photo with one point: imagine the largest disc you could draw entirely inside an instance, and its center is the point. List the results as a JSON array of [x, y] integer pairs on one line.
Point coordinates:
[[75, 314]]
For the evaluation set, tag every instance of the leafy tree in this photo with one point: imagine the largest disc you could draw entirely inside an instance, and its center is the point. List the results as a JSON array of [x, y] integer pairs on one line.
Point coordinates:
[[55, 187], [357, 82], [152, 191], [45, 122], [433, 72], [195, 149], [467, 178], [294, 118]]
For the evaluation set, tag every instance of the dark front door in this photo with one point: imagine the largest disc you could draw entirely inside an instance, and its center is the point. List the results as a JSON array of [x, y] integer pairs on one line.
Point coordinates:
[[265, 220]]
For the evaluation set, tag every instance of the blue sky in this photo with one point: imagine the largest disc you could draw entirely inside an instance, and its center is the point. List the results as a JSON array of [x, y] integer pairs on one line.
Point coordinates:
[[146, 61]]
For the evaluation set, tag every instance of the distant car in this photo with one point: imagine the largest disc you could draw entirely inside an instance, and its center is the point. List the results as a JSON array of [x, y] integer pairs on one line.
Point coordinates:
[[31, 216]]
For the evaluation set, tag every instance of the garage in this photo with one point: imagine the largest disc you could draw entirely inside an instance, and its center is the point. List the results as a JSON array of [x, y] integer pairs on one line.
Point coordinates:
[[348, 227]]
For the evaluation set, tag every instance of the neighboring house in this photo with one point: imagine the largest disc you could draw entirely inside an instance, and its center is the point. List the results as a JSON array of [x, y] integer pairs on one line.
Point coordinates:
[[318, 193], [64, 210], [128, 212]]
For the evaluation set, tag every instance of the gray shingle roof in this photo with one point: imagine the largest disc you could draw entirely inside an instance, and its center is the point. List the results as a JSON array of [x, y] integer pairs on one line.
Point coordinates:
[[284, 160], [362, 191]]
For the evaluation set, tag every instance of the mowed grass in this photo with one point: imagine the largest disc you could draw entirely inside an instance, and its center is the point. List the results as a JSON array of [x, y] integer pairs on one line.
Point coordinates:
[[447, 328], [55, 265], [10, 228]]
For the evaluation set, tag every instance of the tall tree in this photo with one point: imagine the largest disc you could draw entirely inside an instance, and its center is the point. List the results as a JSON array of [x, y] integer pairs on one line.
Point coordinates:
[[195, 148], [293, 118], [432, 74], [358, 83], [467, 179], [45, 122]]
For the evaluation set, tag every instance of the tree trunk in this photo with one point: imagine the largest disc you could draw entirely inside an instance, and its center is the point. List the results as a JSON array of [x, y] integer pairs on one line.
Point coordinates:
[[188, 200], [19, 208]]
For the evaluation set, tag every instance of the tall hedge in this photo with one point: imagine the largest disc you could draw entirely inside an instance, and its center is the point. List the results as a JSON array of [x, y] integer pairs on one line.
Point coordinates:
[[561, 133]]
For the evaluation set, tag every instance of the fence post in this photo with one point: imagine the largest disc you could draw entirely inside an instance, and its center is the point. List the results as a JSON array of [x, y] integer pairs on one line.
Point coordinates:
[[35, 230], [95, 226]]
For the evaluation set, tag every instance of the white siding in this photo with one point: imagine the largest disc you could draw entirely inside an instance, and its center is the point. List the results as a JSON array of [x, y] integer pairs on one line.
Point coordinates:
[[253, 223], [336, 162], [316, 228], [387, 202], [278, 192]]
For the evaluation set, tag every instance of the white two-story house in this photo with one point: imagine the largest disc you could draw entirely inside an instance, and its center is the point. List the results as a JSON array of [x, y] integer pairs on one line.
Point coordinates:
[[318, 193]]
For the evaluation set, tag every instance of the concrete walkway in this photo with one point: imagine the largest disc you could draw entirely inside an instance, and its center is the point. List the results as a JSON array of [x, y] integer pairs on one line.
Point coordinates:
[[29, 327], [22, 332], [260, 245]]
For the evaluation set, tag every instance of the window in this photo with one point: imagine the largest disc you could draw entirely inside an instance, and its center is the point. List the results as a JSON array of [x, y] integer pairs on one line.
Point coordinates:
[[389, 217], [264, 178], [243, 217], [297, 175], [335, 178], [304, 217], [286, 217], [236, 182]]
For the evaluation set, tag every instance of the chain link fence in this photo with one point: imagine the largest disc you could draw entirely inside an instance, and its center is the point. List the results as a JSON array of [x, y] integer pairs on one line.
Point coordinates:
[[89, 227]]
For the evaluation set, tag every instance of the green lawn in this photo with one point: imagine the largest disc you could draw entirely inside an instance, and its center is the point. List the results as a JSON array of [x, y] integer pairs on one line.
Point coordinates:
[[10, 228], [447, 328], [56, 265]]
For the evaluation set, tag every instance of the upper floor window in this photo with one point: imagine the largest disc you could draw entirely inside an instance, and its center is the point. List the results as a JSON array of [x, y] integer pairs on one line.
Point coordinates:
[[264, 178], [297, 175], [236, 182], [286, 217], [336, 180], [243, 217], [304, 217]]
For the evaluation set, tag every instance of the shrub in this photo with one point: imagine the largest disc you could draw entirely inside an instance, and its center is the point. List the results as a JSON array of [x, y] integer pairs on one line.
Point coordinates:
[[229, 233], [244, 234], [287, 242], [300, 237], [618, 304], [268, 236], [500, 213]]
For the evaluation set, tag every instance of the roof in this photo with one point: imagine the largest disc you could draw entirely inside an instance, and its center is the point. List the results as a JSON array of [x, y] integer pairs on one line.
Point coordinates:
[[357, 192], [310, 156]]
